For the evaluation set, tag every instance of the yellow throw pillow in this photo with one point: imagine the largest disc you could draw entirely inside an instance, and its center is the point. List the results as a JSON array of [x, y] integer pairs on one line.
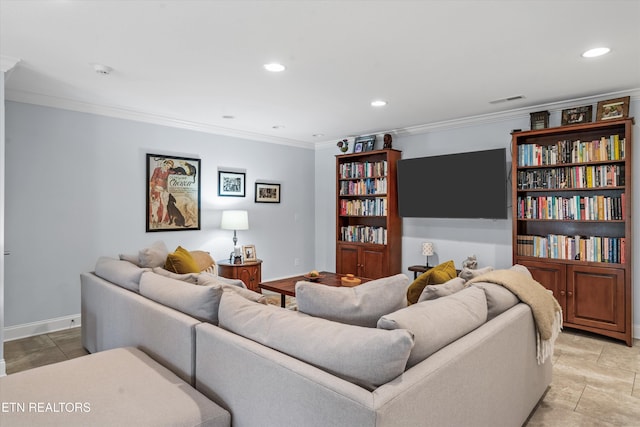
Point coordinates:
[[437, 275], [181, 262]]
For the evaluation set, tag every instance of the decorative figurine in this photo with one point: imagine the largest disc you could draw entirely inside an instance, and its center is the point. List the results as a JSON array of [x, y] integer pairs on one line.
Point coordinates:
[[343, 145], [387, 140], [471, 262]]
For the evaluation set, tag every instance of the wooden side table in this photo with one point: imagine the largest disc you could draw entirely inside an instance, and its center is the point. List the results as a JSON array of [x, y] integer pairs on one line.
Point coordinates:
[[249, 272], [419, 269]]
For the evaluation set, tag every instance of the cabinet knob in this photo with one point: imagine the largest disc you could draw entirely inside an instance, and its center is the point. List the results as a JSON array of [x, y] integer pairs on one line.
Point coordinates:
[[570, 293], [562, 293]]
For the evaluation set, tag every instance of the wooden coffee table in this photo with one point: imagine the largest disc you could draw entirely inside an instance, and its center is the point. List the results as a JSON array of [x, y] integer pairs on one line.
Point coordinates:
[[287, 286]]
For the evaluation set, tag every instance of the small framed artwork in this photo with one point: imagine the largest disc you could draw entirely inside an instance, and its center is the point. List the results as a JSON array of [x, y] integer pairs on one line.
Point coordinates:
[[173, 193], [613, 109], [539, 120], [578, 115], [267, 193], [358, 147], [368, 142], [231, 184], [249, 253]]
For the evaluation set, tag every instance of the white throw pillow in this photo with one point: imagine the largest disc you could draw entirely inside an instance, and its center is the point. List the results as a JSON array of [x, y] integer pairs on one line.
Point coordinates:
[[360, 305], [118, 272], [437, 291]]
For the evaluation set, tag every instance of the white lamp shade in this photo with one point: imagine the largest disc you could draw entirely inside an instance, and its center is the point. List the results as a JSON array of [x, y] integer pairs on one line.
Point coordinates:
[[427, 249], [235, 220]]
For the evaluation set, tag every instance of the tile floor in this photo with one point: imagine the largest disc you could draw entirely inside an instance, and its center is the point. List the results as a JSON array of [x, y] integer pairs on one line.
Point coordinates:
[[596, 381]]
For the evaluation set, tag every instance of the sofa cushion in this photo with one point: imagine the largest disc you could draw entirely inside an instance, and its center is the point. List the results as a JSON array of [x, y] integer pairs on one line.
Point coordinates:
[[441, 273], [187, 277], [119, 272], [200, 302], [499, 298], [436, 291], [153, 256], [360, 305], [365, 356], [181, 262], [231, 285], [439, 322]]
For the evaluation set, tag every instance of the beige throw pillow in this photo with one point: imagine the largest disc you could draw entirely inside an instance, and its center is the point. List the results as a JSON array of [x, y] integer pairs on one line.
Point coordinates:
[[437, 291]]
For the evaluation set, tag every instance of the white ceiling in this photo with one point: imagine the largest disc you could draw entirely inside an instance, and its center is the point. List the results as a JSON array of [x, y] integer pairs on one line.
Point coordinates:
[[189, 63]]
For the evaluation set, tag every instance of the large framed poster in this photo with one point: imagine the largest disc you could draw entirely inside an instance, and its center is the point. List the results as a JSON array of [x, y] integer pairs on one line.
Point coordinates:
[[173, 193]]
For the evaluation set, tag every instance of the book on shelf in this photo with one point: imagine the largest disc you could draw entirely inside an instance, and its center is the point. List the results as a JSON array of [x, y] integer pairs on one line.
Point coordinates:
[[594, 208], [609, 148], [363, 169], [572, 177], [363, 187], [366, 207], [557, 246], [363, 234]]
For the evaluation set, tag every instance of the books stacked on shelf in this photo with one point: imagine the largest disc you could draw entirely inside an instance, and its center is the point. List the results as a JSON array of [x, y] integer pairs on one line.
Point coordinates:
[[603, 149], [557, 246], [363, 169], [363, 187], [366, 207], [572, 177], [594, 208], [364, 234]]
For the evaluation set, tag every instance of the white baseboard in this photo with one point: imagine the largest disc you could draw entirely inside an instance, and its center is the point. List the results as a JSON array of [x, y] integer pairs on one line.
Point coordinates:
[[42, 327]]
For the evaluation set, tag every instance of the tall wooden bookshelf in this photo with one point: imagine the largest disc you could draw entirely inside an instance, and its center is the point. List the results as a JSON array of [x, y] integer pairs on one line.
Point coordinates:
[[572, 199], [368, 227]]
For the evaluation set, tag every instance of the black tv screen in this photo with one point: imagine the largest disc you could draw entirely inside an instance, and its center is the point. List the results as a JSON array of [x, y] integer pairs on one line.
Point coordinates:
[[463, 185]]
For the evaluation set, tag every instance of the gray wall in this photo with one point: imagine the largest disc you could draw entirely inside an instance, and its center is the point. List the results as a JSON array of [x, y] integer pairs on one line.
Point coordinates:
[[75, 190], [455, 239]]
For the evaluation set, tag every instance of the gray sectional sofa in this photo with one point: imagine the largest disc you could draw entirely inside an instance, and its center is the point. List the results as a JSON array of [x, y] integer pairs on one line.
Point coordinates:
[[464, 359]]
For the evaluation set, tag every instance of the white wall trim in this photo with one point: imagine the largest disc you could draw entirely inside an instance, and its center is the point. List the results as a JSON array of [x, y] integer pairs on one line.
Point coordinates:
[[141, 116], [41, 327], [516, 113], [3, 368]]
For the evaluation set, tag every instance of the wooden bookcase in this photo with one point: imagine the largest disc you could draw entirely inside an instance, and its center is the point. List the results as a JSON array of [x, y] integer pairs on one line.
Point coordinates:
[[571, 193], [368, 227]]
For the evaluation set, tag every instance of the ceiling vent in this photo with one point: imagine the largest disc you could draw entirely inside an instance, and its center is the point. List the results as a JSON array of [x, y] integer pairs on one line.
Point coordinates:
[[511, 98]]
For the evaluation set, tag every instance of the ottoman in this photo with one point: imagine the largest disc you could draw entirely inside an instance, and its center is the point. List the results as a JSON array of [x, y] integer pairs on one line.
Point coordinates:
[[119, 387]]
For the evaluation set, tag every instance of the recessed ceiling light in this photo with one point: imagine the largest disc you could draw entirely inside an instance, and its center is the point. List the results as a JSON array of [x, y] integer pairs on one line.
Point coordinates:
[[102, 69], [378, 103], [598, 51], [274, 67]]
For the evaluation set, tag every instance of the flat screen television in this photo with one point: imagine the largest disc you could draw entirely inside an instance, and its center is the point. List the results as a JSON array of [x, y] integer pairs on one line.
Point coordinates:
[[462, 185]]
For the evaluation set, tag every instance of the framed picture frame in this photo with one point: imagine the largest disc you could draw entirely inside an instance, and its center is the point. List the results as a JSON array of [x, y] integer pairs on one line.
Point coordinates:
[[267, 193], [539, 120], [577, 115], [368, 142], [173, 193], [611, 109], [231, 184], [249, 253]]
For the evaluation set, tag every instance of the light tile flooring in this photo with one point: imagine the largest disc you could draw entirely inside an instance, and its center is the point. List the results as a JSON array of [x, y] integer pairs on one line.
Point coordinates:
[[596, 381]]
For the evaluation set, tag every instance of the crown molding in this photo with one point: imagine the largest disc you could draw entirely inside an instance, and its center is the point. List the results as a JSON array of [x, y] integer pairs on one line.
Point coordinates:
[[7, 63], [514, 114], [140, 116]]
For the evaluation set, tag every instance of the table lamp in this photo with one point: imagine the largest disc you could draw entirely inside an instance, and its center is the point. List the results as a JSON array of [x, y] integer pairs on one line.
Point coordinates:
[[427, 250], [235, 220]]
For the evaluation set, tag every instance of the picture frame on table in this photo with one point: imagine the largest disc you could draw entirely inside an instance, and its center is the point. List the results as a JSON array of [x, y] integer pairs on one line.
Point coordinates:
[[267, 193], [173, 193], [611, 109], [577, 115], [539, 120], [249, 253], [231, 184]]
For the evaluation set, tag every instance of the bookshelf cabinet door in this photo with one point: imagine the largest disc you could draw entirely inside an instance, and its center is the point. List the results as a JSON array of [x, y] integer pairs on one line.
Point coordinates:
[[595, 297], [373, 262], [347, 259], [553, 277]]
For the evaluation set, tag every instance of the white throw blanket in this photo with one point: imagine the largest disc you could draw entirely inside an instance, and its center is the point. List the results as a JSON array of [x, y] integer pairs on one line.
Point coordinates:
[[547, 313]]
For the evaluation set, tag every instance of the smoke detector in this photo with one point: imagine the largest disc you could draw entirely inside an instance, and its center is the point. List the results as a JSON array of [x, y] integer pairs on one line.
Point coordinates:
[[102, 69]]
